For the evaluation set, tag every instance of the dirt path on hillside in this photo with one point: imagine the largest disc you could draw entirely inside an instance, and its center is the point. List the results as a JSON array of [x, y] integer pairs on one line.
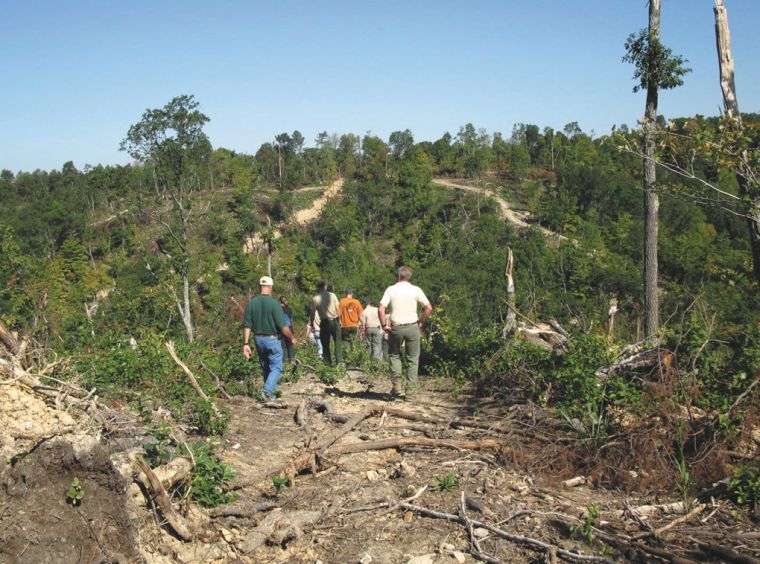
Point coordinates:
[[519, 219], [301, 217], [304, 216]]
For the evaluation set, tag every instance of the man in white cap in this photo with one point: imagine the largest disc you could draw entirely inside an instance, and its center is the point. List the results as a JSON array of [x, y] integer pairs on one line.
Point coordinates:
[[266, 320], [405, 325]]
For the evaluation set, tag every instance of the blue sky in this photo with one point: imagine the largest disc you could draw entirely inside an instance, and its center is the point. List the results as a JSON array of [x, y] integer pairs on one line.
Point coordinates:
[[78, 73]]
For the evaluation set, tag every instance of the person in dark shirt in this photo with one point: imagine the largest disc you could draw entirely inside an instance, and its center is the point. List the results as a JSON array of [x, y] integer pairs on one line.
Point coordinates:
[[266, 320], [288, 350]]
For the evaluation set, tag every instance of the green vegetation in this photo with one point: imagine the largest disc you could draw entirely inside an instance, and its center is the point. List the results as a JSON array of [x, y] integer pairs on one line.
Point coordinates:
[[280, 484], [586, 530], [745, 485], [105, 264], [448, 482], [75, 493]]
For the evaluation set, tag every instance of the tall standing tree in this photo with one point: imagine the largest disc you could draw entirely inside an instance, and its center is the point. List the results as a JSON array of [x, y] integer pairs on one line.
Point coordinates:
[[172, 140], [655, 68], [745, 175]]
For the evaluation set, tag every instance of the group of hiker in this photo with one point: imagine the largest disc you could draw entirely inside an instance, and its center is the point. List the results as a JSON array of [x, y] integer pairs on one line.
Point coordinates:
[[388, 328]]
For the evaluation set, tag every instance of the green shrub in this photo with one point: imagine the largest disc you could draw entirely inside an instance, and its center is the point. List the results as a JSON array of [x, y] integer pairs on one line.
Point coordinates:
[[745, 485], [211, 477], [207, 421]]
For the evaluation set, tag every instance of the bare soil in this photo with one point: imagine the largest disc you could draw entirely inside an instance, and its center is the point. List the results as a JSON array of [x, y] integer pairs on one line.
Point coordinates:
[[356, 507]]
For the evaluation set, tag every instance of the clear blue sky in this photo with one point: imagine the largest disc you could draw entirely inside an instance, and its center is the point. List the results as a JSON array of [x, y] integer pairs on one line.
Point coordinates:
[[76, 74]]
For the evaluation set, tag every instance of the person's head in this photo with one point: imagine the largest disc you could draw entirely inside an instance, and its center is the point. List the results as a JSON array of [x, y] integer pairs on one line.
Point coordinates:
[[349, 293], [266, 283], [322, 286], [404, 273], [283, 300]]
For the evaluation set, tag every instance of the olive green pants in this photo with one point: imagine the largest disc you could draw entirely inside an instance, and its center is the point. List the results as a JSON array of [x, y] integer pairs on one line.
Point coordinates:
[[408, 338]]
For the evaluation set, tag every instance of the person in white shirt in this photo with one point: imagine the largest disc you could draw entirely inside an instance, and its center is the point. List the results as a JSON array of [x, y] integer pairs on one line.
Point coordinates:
[[405, 326], [373, 331]]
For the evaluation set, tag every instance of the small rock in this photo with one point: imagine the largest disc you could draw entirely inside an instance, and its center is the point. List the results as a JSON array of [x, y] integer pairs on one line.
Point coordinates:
[[480, 532], [366, 559], [447, 546], [458, 556], [421, 559], [406, 470], [373, 476], [408, 516]]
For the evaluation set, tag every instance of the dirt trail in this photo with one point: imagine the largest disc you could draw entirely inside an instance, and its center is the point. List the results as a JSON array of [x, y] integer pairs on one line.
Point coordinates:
[[503, 502], [506, 211], [301, 217], [354, 500]]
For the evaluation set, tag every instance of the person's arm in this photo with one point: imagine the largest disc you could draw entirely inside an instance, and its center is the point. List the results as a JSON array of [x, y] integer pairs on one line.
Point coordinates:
[[426, 311], [289, 335], [381, 315], [246, 346]]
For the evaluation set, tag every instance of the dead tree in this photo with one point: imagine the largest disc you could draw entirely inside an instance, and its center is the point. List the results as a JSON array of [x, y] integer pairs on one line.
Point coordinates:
[[744, 174]]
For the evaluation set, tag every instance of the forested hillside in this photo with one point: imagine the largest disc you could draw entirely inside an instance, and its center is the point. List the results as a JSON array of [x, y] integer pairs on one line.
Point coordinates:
[[99, 267]]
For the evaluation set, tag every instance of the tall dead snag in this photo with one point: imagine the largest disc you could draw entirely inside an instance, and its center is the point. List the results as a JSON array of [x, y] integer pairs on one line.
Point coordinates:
[[745, 176], [511, 323]]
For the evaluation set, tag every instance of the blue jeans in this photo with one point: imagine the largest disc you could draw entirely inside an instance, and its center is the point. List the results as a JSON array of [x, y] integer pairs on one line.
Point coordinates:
[[269, 350]]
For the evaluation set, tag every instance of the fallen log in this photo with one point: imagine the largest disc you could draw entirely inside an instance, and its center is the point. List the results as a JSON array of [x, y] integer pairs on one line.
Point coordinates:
[[244, 511], [171, 473], [9, 340], [648, 359], [399, 442], [153, 486]]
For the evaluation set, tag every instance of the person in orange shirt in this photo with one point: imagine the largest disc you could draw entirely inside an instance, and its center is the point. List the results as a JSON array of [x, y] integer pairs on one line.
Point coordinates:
[[351, 320]]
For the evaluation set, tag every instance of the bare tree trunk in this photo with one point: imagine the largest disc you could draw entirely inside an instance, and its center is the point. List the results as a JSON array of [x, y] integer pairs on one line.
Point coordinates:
[[187, 319], [651, 198], [731, 107]]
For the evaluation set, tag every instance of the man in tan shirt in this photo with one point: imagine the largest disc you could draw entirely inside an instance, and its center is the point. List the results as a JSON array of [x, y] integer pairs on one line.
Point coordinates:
[[373, 331], [402, 299], [326, 304]]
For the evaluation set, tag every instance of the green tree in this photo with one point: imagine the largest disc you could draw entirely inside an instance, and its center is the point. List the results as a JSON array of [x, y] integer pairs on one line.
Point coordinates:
[[172, 139]]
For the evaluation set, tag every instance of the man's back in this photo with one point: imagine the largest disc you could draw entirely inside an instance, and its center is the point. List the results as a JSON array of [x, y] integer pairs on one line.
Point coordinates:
[[326, 304], [350, 312], [402, 299], [264, 315]]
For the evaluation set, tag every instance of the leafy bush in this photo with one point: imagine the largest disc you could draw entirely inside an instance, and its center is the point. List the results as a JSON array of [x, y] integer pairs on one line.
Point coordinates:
[[745, 485], [207, 421], [330, 374], [211, 477], [518, 369]]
